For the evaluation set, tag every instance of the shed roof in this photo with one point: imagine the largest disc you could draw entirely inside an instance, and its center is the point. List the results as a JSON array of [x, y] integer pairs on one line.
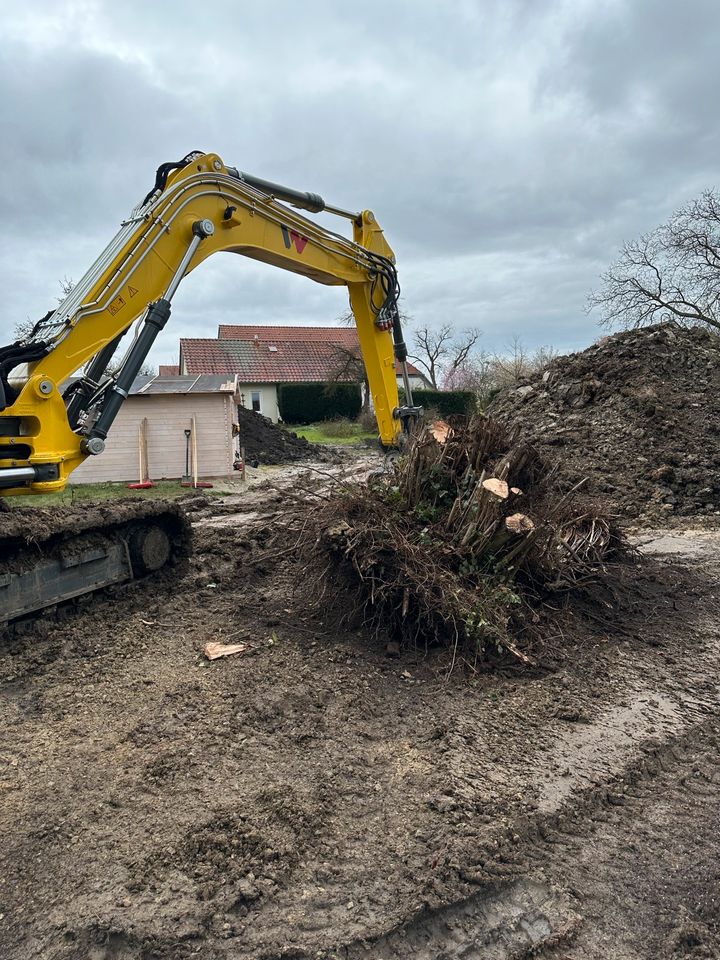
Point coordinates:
[[144, 385]]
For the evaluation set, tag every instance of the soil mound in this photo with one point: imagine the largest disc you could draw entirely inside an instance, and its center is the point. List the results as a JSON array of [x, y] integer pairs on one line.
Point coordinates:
[[269, 444], [637, 414]]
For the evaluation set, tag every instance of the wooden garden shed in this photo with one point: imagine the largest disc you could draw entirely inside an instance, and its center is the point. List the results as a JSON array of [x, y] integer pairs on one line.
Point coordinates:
[[168, 406]]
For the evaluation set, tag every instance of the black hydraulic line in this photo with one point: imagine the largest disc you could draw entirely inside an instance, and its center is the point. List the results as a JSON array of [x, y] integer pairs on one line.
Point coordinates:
[[10, 357], [79, 394], [157, 316], [165, 169], [401, 351]]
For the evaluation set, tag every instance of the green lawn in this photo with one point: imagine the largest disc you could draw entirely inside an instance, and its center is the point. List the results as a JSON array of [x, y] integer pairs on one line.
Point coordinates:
[[343, 432], [77, 493]]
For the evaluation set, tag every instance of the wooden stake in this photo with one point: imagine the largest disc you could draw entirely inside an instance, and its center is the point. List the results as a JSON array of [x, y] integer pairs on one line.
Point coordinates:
[[144, 465], [193, 441], [141, 473]]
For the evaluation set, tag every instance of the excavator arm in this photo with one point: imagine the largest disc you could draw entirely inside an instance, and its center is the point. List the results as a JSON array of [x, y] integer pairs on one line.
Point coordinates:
[[198, 207]]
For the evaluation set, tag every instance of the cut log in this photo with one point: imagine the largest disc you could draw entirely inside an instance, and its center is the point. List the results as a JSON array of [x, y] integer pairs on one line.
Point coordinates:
[[519, 524], [498, 487], [486, 503]]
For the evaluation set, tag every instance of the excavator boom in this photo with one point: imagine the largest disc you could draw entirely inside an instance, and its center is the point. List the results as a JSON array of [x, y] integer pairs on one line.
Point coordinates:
[[59, 394], [196, 208]]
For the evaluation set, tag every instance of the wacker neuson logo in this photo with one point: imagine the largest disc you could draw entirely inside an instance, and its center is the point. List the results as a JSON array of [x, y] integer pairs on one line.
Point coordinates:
[[292, 238]]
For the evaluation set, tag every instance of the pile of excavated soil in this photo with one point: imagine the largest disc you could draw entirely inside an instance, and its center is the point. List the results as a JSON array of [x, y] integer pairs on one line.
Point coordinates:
[[637, 414], [269, 444]]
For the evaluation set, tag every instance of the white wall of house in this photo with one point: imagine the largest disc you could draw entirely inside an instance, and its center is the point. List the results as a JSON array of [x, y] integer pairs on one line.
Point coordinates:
[[263, 393], [416, 382], [168, 416]]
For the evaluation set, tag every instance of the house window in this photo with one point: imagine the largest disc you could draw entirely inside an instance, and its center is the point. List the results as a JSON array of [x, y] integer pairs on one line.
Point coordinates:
[[256, 401]]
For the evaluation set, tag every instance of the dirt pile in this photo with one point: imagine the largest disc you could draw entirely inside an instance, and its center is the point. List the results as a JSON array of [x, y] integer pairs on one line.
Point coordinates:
[[638, 414], [457, 545], [269, 444]]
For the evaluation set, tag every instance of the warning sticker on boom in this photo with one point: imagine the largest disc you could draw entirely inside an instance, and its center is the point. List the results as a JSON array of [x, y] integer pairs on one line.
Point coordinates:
[[117, 304], [132, 291]]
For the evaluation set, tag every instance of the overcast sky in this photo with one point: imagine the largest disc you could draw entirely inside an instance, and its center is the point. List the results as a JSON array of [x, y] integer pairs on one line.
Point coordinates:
[[507, 147]]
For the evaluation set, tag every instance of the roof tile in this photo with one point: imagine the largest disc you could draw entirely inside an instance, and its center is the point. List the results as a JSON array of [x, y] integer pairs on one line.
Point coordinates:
[[274, 354], [241, 331]]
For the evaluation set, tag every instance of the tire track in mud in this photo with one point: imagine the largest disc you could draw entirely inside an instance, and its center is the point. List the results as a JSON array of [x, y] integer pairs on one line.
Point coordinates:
[[540, 907]]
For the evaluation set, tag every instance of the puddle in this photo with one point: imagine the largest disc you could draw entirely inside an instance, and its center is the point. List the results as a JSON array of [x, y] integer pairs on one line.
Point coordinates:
[[593, 753]]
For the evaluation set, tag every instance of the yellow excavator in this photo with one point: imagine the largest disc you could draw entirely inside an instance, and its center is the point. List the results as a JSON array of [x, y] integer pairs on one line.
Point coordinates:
[[59, 398]]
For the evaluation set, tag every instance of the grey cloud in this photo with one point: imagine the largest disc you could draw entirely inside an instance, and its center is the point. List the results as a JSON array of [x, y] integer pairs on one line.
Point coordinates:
[[508, 148]]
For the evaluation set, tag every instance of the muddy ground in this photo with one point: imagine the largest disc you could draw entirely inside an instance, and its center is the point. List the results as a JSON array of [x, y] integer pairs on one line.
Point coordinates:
[[315, 798]]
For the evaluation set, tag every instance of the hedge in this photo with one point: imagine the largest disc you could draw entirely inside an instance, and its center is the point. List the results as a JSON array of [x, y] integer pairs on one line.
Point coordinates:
[[446, 402], [313, 402]]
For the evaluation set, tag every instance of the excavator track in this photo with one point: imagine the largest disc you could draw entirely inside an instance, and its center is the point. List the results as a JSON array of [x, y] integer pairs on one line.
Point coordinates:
[[51, 556]]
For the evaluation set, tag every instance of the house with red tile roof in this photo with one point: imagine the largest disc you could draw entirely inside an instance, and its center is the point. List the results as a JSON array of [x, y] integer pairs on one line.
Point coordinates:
[[264, 357]]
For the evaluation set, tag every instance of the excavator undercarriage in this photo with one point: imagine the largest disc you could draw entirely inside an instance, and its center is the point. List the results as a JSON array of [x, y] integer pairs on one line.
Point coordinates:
[[49, 557]]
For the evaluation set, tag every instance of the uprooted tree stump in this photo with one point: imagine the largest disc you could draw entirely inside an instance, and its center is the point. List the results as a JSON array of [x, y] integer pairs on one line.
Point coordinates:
[[456, 543]]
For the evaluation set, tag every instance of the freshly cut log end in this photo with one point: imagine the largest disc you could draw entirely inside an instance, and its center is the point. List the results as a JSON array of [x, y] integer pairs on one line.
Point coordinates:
[[497, 487], [519, 524], [48, 557]]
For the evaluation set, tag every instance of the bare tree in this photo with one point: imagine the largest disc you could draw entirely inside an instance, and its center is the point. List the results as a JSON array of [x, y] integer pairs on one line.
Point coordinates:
[[542, 358], [66, 285], [349, 368], [24, 328], [517, 362], [671, 273], [475, 374], [441, 352], [485, 374], [513, 365]]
